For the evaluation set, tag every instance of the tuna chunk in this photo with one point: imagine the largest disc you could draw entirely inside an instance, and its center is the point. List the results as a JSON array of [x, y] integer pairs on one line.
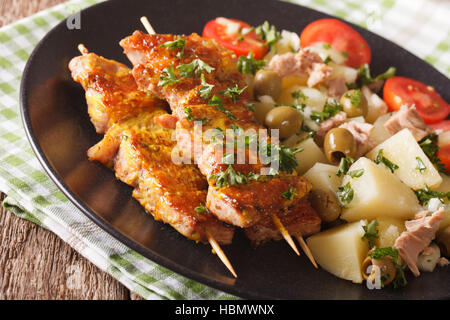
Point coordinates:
[[304, 64], [337, 87], [319, 73], [361, 133], [418, 235], [329, 124], [407, 117]]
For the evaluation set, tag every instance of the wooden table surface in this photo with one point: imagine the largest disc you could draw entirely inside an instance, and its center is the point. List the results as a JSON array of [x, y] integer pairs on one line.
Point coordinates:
[[35, 263]]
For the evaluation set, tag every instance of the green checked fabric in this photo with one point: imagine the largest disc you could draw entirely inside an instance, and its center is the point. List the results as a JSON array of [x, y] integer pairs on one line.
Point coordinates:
[[422, 27]]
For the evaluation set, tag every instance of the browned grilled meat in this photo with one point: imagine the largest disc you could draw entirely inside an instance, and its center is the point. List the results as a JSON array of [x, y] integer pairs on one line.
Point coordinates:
[[162, 71], [111, 91], [300, 219], [140, 150]]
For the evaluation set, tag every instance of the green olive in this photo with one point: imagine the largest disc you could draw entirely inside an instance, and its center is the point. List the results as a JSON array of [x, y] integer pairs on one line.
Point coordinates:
[[267, 83], [261, 110], [287, 119], [386, 268], [339, 143], [354, 103], [443, 240], [326, 204]]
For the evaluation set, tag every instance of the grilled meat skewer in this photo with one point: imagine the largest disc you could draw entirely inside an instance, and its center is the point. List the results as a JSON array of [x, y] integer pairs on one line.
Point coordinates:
[[242, 205], [140, 150]]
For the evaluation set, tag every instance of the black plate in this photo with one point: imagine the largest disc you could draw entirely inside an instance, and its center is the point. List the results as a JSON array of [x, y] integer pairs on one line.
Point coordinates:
[[58, 127]]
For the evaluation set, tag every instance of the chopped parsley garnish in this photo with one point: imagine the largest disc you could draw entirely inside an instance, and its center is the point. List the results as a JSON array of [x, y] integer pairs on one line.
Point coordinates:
[[327, 46], [420, 165], [382, 159], [256, 177], [371, 232], [299, 95], [305, 128], [250, 106], [327, 60], [229, 177], [345, 194], [194, 68], [356, 173], [205, 91], [167, 77], [344, 165], [430, 148], [425, 195], [216, 101], [344, 54], [228, 158], [365, 78], [233, 93], [330, 110], [190, 117], [178, 43], [289, 194], [399, 280], [249, 65], [355, 97], [285, 157], [200, 209], [268, 33]]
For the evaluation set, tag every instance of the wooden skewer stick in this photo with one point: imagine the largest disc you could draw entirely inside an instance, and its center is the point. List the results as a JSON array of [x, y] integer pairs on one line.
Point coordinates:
[[220, 253], [284, 233], [147, 25], [306, 250], [214, 244], [84, 51]]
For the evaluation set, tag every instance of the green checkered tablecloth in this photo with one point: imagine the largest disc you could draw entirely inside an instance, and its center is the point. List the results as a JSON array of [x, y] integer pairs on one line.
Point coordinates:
[[422, 27]]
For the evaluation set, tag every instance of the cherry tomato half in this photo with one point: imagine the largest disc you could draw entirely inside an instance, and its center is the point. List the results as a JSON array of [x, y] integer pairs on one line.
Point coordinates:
[[341, 36], [237, 42], [443, 125], [429, 104], [444, 155]]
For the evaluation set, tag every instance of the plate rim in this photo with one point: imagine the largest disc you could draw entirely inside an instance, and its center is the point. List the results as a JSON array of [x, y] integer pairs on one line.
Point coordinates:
[[104, 225]]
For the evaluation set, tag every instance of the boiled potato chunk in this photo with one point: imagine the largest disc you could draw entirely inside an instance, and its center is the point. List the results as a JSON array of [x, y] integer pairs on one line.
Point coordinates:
[[341, 250], [378, 193], [309, 96], [309, 156], [403, 150], [379, 133], [376, 107], [389, 230], [323, 177]]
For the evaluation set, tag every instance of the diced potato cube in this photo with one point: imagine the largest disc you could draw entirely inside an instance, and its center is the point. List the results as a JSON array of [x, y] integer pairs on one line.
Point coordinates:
[[389, 230], [341, 250], [323, 177], [349, 74], [309, 96], [378, 193], [403, 150], [359, 119], [376, 107], [325, 50], [379, 133], [309, 156]]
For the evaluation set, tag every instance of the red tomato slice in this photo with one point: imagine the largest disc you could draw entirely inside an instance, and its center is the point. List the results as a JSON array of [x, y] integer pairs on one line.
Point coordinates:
[[341, 36], [443, 125], [444, 155], [429, 104], [240, 44]]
